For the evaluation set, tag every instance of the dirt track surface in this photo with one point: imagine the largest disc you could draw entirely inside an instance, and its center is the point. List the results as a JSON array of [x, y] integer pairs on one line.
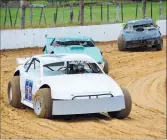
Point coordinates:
[[143, 73]]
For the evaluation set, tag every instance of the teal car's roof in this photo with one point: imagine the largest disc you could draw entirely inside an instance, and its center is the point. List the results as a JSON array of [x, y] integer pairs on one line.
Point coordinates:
[[73, 38]]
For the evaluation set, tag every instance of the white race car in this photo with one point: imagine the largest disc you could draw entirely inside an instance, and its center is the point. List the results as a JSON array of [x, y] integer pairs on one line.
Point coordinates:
[[66, 84]]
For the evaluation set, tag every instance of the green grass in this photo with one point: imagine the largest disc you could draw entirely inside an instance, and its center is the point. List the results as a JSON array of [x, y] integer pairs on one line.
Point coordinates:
[[128, 10]]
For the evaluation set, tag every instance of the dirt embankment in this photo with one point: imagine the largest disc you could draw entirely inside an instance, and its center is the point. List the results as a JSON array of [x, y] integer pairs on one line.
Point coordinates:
[[143, 73]]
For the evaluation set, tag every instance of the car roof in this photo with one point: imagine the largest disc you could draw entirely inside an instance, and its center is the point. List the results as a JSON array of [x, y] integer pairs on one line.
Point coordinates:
[[141, 21], [53, 58], [73, 38]]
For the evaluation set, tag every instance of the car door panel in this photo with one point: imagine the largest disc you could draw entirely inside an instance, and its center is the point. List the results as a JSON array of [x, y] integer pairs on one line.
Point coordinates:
[[30, 82], [23, 76]]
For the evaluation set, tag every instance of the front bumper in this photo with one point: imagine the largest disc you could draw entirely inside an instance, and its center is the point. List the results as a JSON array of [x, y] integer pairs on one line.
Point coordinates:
[[86, 106], [141, 43]]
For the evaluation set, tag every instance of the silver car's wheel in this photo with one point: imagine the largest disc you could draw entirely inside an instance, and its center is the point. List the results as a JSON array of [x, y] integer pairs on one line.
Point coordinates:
[[121, 44], [159, 46], [121, 47]]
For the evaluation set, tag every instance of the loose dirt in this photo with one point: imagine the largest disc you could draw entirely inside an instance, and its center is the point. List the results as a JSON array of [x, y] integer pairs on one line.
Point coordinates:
[[142, 72]]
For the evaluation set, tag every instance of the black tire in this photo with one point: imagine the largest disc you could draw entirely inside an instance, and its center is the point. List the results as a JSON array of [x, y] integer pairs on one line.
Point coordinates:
[[67, 117], [14, 93], [44, 97], [128, 106], [120, 47], [159, 46], [121, 44], [105, 69]]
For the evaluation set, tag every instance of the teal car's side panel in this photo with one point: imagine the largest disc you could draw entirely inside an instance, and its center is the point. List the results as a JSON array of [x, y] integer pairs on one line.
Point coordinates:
[[95, 53], [48, 42]]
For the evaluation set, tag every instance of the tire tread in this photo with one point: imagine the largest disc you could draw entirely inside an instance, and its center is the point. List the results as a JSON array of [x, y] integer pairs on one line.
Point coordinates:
[[128, 106], [45, 94], [16, 93]]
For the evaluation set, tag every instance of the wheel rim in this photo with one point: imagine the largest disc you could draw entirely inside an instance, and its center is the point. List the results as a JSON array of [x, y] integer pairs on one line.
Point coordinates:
[[10, 95], [37, 106]]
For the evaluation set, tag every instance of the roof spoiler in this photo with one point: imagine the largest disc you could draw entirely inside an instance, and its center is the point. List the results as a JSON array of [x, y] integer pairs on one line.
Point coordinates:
[[21, 61]]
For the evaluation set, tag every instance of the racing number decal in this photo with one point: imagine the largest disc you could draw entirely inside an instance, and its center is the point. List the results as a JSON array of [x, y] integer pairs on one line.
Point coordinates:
[[28, 90]]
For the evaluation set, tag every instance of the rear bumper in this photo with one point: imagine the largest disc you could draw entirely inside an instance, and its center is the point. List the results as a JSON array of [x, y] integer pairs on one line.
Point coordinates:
[[86, 106], [141, 43]]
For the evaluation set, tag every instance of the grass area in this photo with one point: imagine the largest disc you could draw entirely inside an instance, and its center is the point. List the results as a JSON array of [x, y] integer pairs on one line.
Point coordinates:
[[128, 14], [73, 1]]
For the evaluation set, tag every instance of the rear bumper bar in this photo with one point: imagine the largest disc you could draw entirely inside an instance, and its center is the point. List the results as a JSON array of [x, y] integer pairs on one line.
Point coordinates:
[[141, 43], [86, 106]]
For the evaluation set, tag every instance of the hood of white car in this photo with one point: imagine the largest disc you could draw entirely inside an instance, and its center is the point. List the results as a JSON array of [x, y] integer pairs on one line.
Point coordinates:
[[69, 86]]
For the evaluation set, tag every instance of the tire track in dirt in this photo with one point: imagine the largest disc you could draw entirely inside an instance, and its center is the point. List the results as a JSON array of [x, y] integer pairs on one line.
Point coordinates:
[[143, 73]]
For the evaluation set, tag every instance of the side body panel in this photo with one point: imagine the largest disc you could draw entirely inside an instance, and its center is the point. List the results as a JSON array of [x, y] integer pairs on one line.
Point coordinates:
[[29, 84]]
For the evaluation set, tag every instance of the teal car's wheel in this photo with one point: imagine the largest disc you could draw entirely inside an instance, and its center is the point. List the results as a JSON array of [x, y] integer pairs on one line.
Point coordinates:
[[105, 69]]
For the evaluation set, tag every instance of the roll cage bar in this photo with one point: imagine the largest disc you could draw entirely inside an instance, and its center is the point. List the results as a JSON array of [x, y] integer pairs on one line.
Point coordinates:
[[32, 61]]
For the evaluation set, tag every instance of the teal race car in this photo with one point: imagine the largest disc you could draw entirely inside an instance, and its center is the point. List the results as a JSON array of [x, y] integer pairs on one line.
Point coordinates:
[[77, 44]]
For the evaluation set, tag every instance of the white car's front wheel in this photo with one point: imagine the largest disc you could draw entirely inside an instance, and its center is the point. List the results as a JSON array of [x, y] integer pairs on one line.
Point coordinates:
[[128, 106], [42, 103]]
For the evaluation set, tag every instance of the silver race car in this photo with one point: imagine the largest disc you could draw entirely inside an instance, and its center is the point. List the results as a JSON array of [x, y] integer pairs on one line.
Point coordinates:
[[140, 33]]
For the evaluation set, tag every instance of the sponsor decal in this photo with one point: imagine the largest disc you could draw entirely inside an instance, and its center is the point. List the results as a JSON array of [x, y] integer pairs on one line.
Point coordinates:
[[77, 62], [28, 90]]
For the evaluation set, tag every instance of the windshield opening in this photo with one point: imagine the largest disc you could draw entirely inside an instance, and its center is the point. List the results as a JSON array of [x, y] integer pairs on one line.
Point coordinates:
[[70, 67], [68, 43], [136, 26]]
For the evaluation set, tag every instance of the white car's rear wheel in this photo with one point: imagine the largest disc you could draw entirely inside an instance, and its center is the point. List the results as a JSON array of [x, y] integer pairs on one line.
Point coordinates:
[[42, 103], [128, 106], [14, 93]]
